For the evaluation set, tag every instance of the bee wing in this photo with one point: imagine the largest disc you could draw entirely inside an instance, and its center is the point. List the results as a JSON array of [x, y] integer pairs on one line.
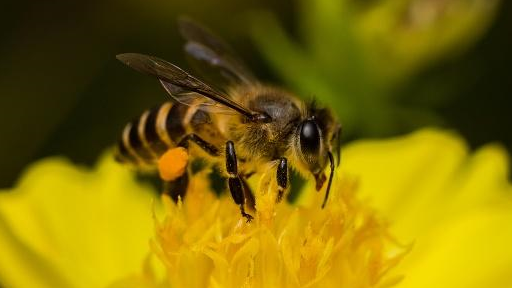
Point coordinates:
[[182, 86], [194, 99], [211, 54]]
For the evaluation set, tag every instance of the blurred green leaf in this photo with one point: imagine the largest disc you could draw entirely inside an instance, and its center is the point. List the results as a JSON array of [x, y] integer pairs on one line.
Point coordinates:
[[355, 56]]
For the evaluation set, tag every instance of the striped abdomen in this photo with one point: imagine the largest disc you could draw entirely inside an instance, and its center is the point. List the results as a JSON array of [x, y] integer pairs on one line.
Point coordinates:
[[145, 139]]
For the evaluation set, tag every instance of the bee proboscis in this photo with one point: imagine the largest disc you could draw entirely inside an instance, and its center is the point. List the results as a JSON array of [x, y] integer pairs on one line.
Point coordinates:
[[239, 127]]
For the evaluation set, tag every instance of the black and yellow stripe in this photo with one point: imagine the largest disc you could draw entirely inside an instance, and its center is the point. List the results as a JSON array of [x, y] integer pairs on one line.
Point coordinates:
[[146, 138]]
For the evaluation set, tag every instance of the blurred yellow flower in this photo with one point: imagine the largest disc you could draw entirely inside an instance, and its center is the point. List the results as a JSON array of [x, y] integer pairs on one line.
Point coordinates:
[[65, 226], [69, 226]]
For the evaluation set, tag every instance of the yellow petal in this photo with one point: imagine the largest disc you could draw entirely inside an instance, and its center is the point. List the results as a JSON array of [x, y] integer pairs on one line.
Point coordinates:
[[450, 203], [65, 226], [400, 174], [471, 251]]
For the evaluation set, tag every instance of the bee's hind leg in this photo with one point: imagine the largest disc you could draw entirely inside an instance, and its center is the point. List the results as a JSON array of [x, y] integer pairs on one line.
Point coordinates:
[[207, 147], [236, 186], [173, 165], [176, 188]]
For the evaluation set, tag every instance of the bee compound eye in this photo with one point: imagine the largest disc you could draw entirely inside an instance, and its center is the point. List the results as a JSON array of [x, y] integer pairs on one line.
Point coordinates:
[[309, 136]]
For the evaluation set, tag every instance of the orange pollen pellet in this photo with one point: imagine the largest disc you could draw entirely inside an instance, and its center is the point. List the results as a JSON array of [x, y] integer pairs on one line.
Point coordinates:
[[172, 164]]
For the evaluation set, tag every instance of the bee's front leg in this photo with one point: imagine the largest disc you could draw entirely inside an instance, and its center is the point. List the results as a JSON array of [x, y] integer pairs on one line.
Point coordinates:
[[235, 182], [282, 178]]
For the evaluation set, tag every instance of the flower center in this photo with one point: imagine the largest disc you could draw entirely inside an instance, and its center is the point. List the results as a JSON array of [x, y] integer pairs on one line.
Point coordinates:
[[204, 242]]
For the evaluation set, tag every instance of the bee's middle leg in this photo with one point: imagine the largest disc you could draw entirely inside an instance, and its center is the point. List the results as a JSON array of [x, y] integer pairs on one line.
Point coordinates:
[[282, 178], [236, 186], [249, 196]]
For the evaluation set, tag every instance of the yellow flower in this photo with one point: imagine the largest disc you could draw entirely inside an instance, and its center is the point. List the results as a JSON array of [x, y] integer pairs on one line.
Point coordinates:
[[64, 226], [68, 226], [344, 245]]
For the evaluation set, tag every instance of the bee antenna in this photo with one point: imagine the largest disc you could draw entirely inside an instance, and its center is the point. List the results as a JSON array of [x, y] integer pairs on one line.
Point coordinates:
[[310, 106], [313, 104], [331, 159]]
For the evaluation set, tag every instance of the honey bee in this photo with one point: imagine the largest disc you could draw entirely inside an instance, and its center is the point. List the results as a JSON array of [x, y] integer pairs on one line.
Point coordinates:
[[239, 125]]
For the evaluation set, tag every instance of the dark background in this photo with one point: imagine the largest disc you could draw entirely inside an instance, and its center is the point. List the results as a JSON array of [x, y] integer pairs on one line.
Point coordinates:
[[62, 92]]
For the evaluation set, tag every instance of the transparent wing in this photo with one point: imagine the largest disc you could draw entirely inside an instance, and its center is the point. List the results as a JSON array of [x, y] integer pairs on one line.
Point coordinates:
[[180, 84], [194, 99], [211, 55]]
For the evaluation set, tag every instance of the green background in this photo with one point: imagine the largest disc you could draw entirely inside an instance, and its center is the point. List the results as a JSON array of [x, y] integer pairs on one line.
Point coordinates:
[[62, 92]]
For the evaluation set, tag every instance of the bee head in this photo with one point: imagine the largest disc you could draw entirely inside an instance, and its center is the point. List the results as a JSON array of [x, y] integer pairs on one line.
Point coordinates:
[[318, 139], [311, 147]]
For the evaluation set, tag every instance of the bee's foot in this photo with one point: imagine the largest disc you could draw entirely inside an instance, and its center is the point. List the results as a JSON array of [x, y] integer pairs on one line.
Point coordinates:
[[280, 194], [248, 217]]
